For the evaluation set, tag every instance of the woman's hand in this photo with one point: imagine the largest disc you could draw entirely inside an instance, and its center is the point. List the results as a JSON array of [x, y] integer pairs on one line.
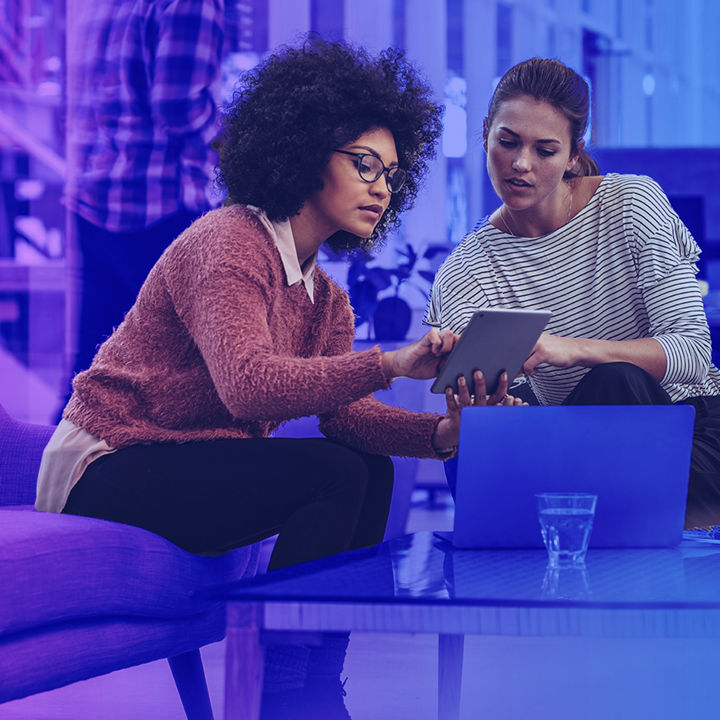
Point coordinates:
[[560, 352], [563, 352], [447, 431], [422, 359]]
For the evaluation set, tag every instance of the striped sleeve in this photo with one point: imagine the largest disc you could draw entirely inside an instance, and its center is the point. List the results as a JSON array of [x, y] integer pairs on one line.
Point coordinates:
[[455, 296], [666, 258], [433, 312]]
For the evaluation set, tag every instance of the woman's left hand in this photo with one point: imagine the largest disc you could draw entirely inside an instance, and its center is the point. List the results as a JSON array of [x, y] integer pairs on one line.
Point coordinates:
[[566, 352], [560, 352], [422, 359], [447, 431]]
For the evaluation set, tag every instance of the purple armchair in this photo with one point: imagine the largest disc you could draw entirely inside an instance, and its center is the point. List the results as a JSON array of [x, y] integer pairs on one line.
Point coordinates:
[[81, 597]]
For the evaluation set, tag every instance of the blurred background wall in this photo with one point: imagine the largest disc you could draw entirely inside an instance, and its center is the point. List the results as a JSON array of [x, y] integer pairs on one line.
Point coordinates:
[[653, 65]]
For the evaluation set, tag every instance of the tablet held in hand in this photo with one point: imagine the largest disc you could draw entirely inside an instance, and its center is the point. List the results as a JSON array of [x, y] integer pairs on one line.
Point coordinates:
[[495, 340]]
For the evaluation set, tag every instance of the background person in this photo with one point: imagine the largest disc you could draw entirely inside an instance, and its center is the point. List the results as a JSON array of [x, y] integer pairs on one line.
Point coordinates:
[[237, 329], [141, 117], [606, 254]]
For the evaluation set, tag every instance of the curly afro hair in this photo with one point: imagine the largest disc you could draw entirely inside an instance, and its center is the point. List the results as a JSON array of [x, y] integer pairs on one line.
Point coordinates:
[[290, 112]]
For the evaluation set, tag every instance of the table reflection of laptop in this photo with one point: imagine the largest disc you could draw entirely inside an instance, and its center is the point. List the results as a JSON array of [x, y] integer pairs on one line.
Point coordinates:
[[636, 459]]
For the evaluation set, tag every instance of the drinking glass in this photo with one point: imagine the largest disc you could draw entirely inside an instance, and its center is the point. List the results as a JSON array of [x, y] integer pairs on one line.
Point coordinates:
[[566, 521]]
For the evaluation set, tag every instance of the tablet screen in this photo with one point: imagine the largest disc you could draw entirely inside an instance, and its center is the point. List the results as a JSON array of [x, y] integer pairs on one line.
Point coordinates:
[[494, 340]]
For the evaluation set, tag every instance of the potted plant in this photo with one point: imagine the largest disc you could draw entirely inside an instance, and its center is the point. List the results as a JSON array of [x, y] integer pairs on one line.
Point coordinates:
[[389, 317]]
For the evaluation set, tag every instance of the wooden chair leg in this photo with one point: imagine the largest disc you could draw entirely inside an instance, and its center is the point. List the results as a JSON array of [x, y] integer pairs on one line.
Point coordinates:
[[244, 664], [189, 676]]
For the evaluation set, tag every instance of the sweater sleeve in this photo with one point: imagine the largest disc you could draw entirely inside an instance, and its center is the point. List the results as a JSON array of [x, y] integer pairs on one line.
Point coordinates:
[[223, 282], [374, 427], [371, 425], [666, 261]]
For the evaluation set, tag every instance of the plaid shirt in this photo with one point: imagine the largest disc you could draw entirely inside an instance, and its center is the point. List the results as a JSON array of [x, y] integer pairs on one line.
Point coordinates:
[[141, 111]]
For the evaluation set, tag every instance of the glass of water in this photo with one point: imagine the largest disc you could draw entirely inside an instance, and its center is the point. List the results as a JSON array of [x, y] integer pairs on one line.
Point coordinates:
[[566, 521]]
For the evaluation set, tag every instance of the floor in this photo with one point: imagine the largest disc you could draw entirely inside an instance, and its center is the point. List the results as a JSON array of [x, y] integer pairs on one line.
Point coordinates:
[[393, 676]]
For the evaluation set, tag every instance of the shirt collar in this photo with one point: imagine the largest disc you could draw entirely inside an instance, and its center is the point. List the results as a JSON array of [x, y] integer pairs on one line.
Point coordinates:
[[282, 235]]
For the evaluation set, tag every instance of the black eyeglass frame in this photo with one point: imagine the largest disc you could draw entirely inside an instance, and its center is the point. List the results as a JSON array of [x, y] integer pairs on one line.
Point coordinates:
[[385, 170]]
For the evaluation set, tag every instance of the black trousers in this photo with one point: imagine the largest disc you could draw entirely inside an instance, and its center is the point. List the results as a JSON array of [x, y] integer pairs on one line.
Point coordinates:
[[210, 497], [626, 384]]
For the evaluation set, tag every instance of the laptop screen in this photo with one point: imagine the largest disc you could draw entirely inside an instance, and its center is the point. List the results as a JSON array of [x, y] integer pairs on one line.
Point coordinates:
[[636, 459]]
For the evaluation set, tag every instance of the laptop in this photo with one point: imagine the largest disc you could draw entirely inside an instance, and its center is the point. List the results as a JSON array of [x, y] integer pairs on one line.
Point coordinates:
[[635, 458]]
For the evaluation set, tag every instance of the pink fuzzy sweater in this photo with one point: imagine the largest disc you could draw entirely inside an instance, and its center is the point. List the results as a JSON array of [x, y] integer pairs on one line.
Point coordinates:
[[218, 345]]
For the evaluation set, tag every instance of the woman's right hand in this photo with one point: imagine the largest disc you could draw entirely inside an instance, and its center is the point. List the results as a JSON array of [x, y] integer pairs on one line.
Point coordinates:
[[447, 431]]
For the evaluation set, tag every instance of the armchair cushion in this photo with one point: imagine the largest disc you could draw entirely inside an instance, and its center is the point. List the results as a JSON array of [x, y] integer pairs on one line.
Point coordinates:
[[61, 567]]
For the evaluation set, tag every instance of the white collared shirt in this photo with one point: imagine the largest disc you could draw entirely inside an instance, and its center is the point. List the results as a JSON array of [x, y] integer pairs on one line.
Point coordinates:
[[281, 232]]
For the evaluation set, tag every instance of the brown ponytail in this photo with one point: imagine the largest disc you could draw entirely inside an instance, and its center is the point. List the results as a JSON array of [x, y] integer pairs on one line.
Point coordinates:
[[585, 165]]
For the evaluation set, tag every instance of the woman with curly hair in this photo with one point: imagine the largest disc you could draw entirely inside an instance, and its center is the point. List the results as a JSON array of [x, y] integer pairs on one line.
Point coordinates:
[[237, 329]]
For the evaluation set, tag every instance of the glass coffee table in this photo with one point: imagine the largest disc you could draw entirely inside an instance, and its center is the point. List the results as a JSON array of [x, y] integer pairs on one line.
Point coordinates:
[[421, 584]]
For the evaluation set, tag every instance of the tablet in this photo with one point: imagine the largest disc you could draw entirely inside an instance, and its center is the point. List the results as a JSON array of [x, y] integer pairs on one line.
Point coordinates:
[[494, 340]]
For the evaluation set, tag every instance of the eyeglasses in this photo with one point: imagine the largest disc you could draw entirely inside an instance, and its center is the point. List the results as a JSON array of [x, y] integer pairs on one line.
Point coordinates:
[[370, 167]]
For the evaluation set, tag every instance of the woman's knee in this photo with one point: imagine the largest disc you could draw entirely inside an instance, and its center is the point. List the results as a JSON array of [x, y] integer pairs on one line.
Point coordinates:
[[618, 372], [618, 383], [380, 469], [344, 471]]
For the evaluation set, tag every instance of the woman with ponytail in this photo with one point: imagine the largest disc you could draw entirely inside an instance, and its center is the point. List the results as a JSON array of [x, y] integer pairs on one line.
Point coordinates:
[[606, 254]]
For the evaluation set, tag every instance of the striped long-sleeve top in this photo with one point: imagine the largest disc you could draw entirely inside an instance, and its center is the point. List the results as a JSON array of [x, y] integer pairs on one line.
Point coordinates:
[[623, 268]]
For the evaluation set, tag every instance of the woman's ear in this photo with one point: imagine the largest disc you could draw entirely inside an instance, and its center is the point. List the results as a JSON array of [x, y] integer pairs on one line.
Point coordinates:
[[486, 130], [572, 160]]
